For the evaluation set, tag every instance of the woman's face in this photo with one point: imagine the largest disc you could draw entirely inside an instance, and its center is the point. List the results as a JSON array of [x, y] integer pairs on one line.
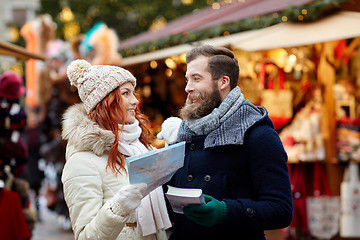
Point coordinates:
[[129, 100]]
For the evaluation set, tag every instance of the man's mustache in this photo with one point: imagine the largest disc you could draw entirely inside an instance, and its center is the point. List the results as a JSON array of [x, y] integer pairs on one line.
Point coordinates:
[[195, 95]]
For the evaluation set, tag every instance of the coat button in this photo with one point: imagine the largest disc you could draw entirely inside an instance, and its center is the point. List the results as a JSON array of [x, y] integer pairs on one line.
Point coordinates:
[[192, 146], [250, 211], [207, 178], [190, 178]]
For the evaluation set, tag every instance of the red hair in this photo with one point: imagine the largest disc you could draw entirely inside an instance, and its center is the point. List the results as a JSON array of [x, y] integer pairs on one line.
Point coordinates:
[[111, 112]]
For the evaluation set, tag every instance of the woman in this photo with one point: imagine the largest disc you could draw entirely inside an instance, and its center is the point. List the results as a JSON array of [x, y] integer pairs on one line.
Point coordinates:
[[101, 132]]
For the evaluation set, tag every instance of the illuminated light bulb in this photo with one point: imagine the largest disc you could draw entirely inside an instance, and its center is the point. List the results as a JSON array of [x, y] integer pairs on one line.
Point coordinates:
[[182, 58], [146, 91], [153, 64], [170, 63], [292, 58], [187, 2], [147, 79], [71, 29], [216, 5], [14, 34], [66, 15], [168, 72]]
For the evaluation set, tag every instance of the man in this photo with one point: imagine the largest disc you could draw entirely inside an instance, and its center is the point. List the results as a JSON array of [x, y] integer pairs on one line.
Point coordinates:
[[232, 153]]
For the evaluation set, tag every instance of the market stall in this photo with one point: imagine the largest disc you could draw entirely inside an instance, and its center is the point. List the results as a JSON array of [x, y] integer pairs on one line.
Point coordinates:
[[313, 67]]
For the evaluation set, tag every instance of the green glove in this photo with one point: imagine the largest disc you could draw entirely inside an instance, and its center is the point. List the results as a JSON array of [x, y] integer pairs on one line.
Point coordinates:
[[209, 214]]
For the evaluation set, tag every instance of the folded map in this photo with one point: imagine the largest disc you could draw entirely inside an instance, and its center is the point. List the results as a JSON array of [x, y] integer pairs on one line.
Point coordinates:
[[156, 167]]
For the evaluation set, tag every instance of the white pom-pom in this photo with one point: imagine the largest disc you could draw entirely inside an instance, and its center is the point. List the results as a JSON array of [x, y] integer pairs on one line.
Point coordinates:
[[76, 71]]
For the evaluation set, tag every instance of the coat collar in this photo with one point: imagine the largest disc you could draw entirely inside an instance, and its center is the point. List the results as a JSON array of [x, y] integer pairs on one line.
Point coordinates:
[[83, 134]]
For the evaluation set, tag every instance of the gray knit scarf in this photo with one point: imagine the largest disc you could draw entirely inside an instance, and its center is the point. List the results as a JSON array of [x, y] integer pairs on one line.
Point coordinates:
[[212, 121]]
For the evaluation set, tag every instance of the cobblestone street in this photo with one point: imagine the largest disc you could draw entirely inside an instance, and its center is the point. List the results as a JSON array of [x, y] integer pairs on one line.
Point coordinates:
[[49, 228]]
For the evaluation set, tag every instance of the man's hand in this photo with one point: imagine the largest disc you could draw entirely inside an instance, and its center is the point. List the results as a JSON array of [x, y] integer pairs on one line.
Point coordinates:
[[209, 214]]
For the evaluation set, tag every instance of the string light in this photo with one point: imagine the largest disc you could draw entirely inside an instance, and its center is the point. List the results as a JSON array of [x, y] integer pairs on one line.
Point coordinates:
[[147, 79], [158, 23], [71, 29], [168, 72], [182, 58], [14, 34], [66, 15], [146, 91], [187, 2], [153, 64], [170, 63], [292, 58], [216, 5]]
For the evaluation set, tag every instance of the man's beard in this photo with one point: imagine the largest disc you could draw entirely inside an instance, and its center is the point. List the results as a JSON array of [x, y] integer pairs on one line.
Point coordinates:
[[192, 111]]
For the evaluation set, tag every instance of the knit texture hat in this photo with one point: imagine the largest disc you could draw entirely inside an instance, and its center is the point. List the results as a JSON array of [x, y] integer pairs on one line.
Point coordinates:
[[11, 86], [94, 83]]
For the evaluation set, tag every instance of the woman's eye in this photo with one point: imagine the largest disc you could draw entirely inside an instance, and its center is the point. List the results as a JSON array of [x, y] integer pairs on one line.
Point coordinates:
[[125, 93]]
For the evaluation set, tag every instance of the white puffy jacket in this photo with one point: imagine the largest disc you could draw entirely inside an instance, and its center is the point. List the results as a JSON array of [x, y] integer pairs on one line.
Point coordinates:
[[88, 186]]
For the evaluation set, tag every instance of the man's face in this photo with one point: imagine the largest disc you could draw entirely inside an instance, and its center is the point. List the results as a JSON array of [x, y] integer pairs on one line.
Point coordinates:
[[203, 93]]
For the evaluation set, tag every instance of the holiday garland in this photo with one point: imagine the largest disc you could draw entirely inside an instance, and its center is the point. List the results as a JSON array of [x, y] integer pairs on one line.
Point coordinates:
[[303, 13]]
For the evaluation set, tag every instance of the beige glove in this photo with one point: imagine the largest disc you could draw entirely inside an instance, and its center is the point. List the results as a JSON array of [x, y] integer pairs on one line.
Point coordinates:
[[169, 130], [128, 198]]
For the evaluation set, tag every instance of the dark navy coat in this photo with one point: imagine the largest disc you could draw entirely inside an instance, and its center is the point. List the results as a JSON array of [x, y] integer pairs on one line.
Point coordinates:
[[245, 165]]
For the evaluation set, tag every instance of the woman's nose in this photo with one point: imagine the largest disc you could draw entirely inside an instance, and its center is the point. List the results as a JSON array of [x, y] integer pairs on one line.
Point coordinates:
[[134, 100]]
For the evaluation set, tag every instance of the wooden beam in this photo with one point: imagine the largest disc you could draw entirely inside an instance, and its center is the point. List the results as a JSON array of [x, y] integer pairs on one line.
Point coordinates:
[[18, 52]]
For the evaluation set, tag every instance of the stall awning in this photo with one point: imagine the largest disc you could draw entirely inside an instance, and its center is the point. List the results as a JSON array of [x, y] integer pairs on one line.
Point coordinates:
[[341, 25], [173, 51], [18, 52], [210, 17]]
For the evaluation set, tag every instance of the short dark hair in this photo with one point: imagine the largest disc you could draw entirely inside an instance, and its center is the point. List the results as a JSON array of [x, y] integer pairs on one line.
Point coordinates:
[[221, 62]]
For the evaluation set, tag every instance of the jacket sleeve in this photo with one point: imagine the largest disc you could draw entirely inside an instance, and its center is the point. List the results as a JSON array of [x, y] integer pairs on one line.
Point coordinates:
[[90, 217], [271, 208]]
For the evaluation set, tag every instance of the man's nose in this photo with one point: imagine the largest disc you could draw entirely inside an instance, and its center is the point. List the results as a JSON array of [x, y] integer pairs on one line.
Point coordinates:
[[189, 87]]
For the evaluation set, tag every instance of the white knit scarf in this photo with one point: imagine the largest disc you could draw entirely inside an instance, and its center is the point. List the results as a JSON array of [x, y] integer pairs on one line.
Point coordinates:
[[151, 214], [129, 143]]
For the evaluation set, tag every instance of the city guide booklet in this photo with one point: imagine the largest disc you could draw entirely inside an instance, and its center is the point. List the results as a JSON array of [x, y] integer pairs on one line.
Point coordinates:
[[181, 197], [156, 167]]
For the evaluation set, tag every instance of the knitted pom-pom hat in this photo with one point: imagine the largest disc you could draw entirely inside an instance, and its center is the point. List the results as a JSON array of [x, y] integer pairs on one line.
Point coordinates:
[[94, 83]]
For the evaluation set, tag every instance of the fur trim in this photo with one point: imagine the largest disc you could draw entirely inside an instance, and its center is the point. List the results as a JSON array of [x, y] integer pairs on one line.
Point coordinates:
[[83, 133]]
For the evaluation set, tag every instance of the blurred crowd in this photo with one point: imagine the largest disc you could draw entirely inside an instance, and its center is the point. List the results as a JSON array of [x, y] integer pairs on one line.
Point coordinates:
[[32, 152]]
